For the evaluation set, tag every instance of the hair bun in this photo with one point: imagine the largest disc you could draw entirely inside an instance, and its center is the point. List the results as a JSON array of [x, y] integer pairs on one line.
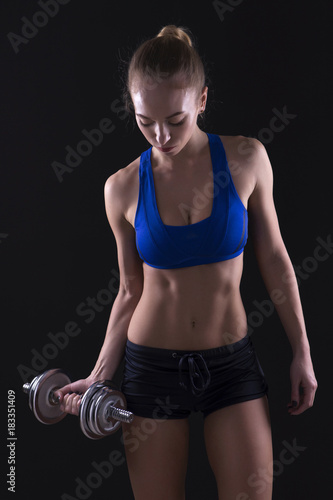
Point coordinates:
[[176, 32]]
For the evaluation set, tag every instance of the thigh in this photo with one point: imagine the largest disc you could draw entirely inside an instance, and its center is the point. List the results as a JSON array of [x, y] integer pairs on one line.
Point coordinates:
[[157, 454], [239, 448]]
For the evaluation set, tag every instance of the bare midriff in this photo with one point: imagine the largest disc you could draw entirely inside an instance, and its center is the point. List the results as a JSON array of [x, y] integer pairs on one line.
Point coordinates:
[[190, 308]]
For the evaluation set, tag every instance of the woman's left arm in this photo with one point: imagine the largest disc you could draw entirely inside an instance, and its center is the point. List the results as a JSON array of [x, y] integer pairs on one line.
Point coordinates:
[[280, 279]]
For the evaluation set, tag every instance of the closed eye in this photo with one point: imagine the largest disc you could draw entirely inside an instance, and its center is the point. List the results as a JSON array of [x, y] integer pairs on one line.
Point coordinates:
[[178, 123], [170, 123], [145, 124]]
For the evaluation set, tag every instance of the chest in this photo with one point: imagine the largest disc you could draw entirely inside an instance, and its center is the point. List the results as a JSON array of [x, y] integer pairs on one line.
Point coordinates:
[[184, 198]]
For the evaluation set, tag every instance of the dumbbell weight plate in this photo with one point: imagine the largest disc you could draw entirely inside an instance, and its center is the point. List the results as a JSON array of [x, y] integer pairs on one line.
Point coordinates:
[[94, 410], [91, 418], [40, 396], [86, 405], [108, 397]]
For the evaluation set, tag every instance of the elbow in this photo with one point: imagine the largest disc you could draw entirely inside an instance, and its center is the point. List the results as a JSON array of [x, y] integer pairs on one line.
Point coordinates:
[[130, 295], [278, 265], [271, 252], [278, 258], [130, 289], [128, 299]]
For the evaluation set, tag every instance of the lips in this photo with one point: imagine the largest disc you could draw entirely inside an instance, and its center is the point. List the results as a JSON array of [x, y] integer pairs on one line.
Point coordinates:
[[166, 150]]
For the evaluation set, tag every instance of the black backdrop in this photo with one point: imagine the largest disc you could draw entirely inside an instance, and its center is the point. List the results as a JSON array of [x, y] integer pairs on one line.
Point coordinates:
[[60, 79]]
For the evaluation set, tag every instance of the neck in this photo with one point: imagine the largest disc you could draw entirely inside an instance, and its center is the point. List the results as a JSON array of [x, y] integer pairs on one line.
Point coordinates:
[[188, 155]]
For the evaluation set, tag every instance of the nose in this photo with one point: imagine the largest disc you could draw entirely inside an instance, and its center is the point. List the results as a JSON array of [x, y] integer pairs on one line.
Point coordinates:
[[162, 135]]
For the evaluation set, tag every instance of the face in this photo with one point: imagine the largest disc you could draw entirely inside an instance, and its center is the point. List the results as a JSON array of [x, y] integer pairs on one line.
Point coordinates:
[[166, 113]]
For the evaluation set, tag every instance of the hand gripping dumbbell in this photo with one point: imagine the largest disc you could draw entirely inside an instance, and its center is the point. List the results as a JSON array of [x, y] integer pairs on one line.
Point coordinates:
[[102, 407]]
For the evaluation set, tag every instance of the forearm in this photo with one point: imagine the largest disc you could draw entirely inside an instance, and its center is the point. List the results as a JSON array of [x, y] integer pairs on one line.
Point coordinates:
[[281, 283], [113, 348]]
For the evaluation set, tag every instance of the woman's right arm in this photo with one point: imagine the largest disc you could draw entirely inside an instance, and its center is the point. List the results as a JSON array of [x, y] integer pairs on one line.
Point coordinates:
[[130, 285], [130, 290]]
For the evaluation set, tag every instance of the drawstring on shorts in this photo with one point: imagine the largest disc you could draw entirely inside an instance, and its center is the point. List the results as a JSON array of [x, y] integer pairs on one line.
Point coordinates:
[[200, 378]]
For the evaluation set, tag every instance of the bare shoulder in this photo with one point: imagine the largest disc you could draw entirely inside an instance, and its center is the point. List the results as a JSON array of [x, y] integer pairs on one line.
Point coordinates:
[[242, 149], [247, 156], [244, 156], [119, 180], [121, 189]]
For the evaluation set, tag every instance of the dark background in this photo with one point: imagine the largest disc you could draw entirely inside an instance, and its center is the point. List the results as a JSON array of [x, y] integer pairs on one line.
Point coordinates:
[[57, 249]]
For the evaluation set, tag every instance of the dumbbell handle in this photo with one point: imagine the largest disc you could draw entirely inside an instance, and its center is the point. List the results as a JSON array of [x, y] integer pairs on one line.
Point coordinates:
[[112, 411], [119, 414]]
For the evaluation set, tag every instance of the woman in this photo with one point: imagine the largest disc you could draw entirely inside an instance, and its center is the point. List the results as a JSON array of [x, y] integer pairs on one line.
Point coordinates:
[[180, 220]]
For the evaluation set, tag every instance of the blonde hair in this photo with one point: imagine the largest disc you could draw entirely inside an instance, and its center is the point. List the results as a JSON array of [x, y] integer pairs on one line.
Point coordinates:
[[177, 32], [170, 52]]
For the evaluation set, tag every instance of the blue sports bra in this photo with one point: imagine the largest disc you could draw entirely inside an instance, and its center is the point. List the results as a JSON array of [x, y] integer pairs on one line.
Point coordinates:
[[221, 236]]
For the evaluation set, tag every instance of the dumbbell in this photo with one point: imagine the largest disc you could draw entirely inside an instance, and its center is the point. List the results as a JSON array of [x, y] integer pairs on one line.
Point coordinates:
[[102, 407]]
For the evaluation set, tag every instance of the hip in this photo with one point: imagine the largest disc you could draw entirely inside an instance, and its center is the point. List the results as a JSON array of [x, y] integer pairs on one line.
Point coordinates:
[[186, 381]]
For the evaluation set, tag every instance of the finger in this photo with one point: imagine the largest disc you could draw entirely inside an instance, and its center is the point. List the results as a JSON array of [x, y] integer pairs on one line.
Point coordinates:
[[292, 406], [69, 388], [295, 403], [75, 404], [60, 393], [64, 404], [305, 402], [71, 403], [295, 409], [296, 395]]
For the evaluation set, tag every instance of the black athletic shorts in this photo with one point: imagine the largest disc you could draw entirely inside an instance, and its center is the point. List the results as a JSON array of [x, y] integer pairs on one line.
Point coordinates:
[[167, 384]]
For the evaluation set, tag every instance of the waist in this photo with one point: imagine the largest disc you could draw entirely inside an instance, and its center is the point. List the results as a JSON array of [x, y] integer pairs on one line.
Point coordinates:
[[201, 319], [160, 354]]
